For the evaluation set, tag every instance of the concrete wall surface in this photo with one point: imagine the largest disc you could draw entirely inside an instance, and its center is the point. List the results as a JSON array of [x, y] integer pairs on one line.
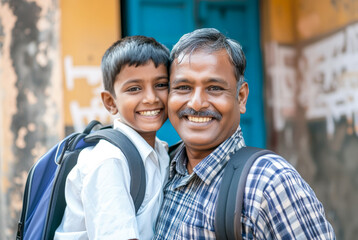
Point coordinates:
[[311, 65]]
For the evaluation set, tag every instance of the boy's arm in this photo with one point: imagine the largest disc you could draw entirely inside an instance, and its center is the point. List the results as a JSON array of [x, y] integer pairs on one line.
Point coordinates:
[[108, 205]]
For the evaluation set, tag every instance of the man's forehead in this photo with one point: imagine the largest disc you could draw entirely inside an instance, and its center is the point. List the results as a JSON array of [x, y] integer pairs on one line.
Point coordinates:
[[208, 67], [187, 55]]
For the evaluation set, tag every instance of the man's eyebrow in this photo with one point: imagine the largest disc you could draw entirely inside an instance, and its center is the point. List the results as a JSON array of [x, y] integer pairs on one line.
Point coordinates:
[[180, 80], [217, 80]]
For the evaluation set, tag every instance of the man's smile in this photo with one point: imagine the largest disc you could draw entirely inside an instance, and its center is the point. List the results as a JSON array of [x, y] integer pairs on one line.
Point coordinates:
[[199, 116], [197, 119]]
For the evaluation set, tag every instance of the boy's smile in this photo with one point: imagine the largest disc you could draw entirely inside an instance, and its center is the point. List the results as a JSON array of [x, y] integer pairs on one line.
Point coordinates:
[[149, 113], [140, 99]]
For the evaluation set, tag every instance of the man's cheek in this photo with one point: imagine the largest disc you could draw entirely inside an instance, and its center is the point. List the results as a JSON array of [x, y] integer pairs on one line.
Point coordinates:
[[175, 101]]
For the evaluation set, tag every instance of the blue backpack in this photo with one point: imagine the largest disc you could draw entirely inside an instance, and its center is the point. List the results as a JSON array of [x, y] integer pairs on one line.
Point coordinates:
[[44, 196]]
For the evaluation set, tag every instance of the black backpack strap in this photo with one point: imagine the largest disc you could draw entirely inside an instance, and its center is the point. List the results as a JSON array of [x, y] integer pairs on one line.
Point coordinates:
[[231, 193], [135, 162], [173, 149]]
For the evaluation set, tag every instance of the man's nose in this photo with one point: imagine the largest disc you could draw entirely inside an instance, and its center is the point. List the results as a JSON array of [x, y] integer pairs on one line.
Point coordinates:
[[198, 100], [150, 96]]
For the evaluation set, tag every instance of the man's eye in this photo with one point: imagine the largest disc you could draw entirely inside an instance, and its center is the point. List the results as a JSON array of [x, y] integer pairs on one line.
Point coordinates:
[[215, 88], [182, 87], [133, 89]]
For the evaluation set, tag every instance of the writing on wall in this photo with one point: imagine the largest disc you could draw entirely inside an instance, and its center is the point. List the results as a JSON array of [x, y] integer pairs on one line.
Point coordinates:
[[282, 76], [82, 114], [328, 71]]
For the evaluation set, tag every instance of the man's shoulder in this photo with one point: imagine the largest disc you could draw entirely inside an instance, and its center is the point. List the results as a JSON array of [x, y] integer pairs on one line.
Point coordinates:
[[271, 170], [271, 174], [272, 163]]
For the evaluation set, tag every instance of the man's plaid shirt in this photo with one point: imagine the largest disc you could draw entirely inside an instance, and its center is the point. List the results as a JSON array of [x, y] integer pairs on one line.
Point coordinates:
[[278, 203]]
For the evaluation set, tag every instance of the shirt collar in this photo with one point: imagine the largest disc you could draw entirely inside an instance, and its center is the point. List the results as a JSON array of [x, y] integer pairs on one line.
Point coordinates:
[[209, 167], [142, 146]]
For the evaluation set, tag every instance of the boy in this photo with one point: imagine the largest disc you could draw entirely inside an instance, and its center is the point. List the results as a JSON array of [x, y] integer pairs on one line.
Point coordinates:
[[99, 205]]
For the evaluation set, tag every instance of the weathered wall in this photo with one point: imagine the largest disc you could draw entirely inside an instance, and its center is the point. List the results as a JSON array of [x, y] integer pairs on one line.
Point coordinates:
[[88, 28], [30, 96], [311, 61], [50, 54]]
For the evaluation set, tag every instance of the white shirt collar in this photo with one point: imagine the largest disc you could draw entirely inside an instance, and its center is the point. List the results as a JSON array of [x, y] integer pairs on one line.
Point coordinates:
[[143, 147]]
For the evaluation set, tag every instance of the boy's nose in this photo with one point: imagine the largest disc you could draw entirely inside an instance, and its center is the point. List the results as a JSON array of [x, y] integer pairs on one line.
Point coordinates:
[[150, 96]]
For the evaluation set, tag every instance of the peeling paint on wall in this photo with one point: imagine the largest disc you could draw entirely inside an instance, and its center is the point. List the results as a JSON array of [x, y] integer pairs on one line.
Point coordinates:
[[7, 108], [8, 78], [31, 97]]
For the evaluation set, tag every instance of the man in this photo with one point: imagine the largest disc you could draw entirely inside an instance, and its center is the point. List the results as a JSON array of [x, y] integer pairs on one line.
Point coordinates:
[[207, 95]]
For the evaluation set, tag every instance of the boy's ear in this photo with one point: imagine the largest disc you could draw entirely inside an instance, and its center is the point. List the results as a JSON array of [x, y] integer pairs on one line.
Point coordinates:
[[109, 102], [242, 97]]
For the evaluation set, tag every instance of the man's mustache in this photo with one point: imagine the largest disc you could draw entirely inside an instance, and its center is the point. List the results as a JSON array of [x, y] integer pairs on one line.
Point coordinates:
[[206, 113]]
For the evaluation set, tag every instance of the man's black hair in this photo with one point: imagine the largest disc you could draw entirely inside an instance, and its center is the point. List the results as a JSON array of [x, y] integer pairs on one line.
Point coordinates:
[[211, 40], [133, 50]]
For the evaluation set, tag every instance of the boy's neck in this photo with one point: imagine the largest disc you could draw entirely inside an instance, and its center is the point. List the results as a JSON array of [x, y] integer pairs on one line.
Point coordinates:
[[149, 138]]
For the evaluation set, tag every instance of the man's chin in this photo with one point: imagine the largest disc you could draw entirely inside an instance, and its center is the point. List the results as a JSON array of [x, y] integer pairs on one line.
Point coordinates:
[[199, 142]]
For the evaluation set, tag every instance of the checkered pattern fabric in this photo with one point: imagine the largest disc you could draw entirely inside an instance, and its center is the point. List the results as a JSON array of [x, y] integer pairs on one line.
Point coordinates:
[[278, 203]]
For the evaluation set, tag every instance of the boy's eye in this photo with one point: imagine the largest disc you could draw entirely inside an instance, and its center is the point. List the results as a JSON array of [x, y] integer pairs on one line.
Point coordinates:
[[133, 89], [162, 85]]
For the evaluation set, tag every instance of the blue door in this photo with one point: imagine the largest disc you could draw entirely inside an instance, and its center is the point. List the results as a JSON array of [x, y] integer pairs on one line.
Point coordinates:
[[167, 21]]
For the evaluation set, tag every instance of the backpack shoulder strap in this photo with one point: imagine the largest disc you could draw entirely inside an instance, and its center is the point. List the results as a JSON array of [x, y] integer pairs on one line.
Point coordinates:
[[231, 193], [173, 149], [135, 162]]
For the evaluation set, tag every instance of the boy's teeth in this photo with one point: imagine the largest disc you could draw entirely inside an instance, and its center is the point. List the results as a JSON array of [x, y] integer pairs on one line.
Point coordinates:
[[149, 113], [199, 119]]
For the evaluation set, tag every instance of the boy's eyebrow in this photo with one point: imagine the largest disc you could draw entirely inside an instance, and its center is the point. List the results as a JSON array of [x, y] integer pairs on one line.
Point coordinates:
[[132, 81], [137, 80], [163, 76]]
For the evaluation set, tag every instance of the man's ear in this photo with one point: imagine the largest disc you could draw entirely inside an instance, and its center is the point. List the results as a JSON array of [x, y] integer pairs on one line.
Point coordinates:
[[242, 97], [109, 102]]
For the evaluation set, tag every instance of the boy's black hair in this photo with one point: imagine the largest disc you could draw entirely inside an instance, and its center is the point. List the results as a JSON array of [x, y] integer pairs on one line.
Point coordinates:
[[211, 40], [133, 50]]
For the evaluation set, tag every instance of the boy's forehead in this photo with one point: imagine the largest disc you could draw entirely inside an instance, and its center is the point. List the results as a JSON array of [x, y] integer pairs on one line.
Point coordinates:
[[139, 72]]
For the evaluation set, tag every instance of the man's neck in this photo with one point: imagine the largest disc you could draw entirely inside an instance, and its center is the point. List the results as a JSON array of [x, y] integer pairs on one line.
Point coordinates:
[[195, 157]]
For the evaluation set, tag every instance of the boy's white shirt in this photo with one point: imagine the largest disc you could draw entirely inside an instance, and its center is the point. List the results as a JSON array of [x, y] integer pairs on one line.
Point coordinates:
[[99, 205]]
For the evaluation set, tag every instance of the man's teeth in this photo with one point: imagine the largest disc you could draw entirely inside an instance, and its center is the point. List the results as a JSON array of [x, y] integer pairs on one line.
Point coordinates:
[[199, 119], [150, 113]]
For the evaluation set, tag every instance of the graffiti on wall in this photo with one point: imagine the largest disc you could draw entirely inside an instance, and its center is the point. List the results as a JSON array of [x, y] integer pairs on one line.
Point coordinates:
[[328, 70], [282, 74], [81, 115]]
